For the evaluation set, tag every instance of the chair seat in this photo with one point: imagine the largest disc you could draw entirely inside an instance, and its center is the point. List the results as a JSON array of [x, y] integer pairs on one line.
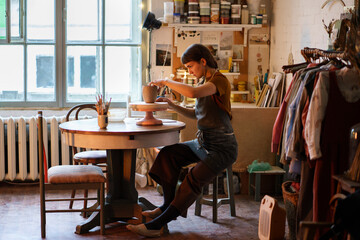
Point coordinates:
[[93, 156], [75, 174]]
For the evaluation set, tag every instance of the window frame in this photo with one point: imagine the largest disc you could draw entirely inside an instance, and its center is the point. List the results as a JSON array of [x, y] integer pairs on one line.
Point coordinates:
[[60, 46]]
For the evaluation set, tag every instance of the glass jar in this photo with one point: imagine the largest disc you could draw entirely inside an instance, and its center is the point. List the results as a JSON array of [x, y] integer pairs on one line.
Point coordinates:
[[354, 142]]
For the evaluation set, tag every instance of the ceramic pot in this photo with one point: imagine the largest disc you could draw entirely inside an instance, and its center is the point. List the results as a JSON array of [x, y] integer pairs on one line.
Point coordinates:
[[103, 121], [149, 93]]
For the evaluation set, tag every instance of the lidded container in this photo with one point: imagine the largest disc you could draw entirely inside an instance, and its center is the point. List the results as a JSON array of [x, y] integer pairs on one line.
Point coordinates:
[[214, 17], [168, 12], [244, 14], [179, 6]]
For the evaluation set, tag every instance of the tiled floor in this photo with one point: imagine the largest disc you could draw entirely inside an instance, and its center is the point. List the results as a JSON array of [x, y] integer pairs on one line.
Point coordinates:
[[20, 219]]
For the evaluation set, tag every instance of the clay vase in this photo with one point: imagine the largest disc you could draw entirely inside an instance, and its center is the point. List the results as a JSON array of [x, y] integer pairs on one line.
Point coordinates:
[[149, 93]]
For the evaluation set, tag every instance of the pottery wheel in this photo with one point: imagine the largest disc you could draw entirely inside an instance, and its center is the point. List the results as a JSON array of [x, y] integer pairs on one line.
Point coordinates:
[[149, 108]]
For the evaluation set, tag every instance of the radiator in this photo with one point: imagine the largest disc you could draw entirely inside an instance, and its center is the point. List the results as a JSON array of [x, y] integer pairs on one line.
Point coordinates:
[[19, 147]]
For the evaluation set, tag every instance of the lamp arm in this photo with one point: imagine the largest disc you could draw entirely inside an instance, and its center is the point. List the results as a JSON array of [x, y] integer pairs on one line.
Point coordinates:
[[149, 58]]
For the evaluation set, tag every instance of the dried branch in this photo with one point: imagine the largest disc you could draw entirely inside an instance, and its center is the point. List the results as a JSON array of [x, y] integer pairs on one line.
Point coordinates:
[[329, 28]]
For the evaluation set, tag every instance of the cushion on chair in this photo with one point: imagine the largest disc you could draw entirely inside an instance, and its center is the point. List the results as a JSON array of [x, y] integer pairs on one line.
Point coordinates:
[[75, 174], [94, 154]]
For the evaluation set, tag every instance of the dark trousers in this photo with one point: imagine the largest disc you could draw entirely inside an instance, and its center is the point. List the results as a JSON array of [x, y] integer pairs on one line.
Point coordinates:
[[166, 170]]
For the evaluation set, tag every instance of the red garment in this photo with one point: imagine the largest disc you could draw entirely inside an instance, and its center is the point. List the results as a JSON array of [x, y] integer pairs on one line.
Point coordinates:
[[340, 115], [279, 121]]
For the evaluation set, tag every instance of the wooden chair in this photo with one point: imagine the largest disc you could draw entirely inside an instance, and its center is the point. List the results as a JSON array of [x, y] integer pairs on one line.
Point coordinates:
[[93, 157], [310, 229], [216, 202], [68, 177]]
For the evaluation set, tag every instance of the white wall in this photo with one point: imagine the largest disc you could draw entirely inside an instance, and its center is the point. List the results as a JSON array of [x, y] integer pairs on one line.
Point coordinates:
[[298, 24]]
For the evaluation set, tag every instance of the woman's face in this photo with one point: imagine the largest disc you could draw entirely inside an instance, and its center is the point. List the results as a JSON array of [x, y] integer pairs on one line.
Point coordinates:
[[196, 68]]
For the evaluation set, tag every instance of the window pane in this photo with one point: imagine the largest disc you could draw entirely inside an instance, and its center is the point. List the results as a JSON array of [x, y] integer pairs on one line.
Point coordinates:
[[118, 20], [83, 20], [40, 73], [15, 18], [40, 20], [122, 73], [2, 19], [11, 73], [83, 73]]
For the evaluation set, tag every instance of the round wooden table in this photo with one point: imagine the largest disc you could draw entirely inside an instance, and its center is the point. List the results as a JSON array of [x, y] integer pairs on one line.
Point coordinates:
[[120, 139]]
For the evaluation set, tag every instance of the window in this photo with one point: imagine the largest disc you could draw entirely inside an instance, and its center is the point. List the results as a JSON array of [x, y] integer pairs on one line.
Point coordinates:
[[62, 52]]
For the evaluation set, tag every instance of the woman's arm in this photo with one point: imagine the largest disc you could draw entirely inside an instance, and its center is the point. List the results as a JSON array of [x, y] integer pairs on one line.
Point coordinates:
[[187, 112], [204, 90]]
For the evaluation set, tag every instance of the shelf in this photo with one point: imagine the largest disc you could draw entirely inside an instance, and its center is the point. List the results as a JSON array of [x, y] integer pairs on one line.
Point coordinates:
[[240, 92], [231, 73], [215, 27], [237, 59]]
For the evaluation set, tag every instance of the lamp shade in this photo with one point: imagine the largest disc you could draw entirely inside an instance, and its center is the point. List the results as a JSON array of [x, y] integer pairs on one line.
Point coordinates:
[[151, 22]]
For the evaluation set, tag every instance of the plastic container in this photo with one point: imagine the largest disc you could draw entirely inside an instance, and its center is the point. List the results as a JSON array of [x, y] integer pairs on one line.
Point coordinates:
[[193, 6], [204, 4], [204, 11], [259, 19], [177, 17], [253, 19], [168, 12], [205, 19], [214, 16], [244, 14], [179, 6], [193, 13], [194, 20], [235, 20], [235, 10], [224, 20]]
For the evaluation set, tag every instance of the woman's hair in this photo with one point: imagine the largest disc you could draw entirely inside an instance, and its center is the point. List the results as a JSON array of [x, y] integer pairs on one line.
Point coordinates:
[[196, 52]]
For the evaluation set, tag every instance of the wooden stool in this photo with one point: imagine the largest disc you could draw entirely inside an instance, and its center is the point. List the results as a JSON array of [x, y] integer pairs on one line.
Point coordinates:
[[275, 170], [216, 202]]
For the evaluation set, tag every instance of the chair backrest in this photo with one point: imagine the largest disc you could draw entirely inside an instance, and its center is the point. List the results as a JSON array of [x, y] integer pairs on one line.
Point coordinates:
[[40, 147], [78, 108]]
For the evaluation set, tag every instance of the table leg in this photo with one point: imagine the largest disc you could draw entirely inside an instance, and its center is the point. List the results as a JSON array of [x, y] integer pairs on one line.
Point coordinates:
[[122, 197], [257, 186]]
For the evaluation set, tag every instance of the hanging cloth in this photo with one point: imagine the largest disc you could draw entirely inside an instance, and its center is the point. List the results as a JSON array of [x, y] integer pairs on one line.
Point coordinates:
[[340, 115]]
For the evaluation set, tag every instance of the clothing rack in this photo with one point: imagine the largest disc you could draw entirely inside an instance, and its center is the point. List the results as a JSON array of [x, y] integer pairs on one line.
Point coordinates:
[[311, 54]]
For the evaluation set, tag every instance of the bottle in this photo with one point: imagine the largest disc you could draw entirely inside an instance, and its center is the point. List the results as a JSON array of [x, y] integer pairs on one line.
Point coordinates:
[[253, 19], [244, 14], [262, 9]]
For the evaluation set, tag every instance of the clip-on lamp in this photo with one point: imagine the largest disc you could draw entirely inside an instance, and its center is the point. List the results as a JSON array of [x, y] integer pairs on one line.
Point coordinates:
[[150, 23]]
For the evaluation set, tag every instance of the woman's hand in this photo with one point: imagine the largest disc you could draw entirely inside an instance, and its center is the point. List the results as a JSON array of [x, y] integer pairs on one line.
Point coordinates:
[[164, 99], [158, 82]]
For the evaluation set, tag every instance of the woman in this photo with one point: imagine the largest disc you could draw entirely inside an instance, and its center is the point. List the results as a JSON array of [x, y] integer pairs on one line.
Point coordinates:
[[214, 149]]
